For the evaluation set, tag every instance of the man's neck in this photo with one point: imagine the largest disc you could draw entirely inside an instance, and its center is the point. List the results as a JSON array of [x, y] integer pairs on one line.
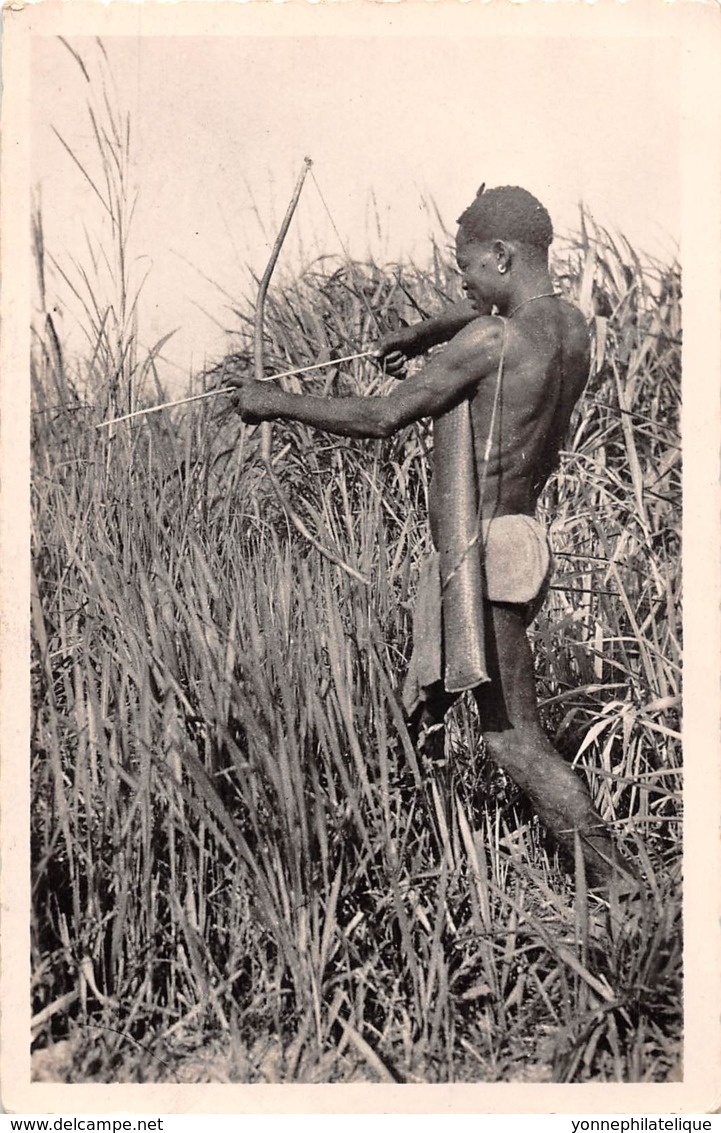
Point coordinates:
[[531, 285]]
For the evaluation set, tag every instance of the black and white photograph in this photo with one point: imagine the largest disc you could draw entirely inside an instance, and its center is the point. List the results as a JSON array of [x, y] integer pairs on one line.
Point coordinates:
[[352, 665]]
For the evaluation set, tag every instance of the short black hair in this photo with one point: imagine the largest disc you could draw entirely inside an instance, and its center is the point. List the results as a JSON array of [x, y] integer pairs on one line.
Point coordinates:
[[507, 213]]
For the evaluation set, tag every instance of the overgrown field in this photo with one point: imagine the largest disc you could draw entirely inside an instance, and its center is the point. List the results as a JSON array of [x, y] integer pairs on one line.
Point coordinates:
[[242, 871]]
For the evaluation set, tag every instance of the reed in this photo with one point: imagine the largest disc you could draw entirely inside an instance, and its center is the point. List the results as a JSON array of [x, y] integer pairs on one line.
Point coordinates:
[[242, 871]]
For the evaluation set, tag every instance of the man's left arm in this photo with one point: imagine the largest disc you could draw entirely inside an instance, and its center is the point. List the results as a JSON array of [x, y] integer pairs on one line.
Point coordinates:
[[441, 384]]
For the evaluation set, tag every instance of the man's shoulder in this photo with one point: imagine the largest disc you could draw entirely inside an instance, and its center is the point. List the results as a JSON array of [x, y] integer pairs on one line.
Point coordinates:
[[573, 309], [485, 331], [561, 326], [477, 348], [576, 324]]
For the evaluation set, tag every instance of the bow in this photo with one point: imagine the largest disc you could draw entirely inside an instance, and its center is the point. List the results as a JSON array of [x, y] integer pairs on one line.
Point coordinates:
[[259, 373], [258, 367]]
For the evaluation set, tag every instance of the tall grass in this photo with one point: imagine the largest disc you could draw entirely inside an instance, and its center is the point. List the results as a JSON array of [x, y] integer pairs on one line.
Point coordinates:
[[241, 868]]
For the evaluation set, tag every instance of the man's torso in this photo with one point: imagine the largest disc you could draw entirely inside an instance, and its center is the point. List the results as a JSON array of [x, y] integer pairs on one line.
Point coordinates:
[[544, 373]]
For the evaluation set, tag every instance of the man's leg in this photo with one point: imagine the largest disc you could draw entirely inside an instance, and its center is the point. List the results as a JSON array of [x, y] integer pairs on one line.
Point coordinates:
[[517, 742]]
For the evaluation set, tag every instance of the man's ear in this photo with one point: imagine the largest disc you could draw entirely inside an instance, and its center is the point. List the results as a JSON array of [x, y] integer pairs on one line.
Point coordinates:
[[503, 252]]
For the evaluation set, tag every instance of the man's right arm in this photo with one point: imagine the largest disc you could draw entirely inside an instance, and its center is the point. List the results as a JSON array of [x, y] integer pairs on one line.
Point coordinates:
[[417, 339]]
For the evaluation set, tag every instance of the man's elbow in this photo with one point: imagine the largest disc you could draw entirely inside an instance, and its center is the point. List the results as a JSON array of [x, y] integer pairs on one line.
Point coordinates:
[[385, 420]]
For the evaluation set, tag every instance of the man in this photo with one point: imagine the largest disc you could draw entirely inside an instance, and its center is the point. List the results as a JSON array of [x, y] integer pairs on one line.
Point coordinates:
[[517, 376]]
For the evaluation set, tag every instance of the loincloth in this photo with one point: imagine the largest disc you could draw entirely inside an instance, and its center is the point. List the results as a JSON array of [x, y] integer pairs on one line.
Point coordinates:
[[516, 568]]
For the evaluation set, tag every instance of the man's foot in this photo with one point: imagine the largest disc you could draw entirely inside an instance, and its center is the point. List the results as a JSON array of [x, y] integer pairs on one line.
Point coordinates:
[[608, 868]]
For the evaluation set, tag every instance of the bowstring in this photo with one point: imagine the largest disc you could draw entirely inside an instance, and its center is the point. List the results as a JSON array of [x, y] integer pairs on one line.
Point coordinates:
[[346, 253], [475, 538]]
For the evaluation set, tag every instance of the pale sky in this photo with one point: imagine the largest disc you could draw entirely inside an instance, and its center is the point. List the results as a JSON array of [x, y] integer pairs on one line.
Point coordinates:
[[221, 127]]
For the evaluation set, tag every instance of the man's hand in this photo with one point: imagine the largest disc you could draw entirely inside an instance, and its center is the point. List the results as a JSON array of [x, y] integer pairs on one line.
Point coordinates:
[[396, 347], [394, 350], [250, 398], [395, 363]]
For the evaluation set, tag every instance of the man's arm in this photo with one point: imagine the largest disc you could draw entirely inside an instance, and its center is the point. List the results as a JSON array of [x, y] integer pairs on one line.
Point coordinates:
[[442, 383], [420, 337]]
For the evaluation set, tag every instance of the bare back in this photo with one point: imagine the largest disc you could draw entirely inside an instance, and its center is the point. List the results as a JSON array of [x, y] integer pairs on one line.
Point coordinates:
[[545, 370]]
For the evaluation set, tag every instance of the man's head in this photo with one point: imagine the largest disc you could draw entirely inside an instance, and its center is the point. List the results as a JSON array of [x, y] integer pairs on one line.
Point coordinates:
[[503, 229], [509, 214]]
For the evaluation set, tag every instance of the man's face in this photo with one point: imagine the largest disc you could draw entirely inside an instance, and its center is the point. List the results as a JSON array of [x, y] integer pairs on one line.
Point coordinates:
[[479, 269]]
